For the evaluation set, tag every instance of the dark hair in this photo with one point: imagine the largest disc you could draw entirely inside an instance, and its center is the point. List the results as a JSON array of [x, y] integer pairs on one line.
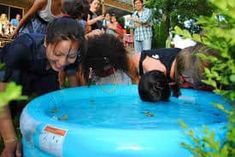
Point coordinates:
[[66, 28], [104, 50], [76, 8], [188, 63], [138, 0], [154, 86], [90, 1]]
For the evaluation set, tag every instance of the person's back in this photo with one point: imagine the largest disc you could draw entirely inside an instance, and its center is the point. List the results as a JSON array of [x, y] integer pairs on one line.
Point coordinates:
[[165, 55], [38, 16]]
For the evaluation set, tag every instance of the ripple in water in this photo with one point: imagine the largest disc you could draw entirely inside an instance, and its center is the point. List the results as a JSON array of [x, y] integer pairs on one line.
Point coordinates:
[[129, 112]]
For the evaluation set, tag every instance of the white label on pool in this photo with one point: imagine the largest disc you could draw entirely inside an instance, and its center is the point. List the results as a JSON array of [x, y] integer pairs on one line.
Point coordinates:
[[51, 140]]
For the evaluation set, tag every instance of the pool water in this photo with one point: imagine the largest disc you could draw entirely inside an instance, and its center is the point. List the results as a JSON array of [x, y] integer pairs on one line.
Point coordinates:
[[112, 121], [129, 112]]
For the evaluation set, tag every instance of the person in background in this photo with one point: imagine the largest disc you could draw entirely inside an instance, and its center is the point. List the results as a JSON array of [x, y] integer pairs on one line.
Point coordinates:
[[38, 16], [1, 30], [143, 33], [93, 21], [15, 21], [106, 20], [4, 22], [33, 61], [3, 19], [115, 28], [171, 68], [77, 9]]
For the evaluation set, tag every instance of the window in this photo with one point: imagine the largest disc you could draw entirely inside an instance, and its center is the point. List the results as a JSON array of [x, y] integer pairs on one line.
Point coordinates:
[[11, 11]]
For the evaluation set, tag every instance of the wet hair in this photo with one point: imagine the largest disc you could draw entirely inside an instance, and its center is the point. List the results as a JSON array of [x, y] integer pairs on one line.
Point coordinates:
[[76, 8], [102, 51], [154, 86], [190, 65], [66, 28]]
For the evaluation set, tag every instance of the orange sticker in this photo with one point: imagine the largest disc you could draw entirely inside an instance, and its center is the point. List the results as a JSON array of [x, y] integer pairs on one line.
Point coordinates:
[[55, 130]]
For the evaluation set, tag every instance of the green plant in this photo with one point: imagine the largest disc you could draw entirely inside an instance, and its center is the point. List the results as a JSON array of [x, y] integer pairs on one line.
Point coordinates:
[[11, 92], [170, 13], [218, 34]]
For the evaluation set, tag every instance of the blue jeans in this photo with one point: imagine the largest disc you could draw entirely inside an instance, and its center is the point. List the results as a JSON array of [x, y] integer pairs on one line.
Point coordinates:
[[142, 45]]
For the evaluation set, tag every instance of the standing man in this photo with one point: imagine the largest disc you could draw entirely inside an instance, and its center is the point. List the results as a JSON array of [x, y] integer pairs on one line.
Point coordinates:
[[143, 33]]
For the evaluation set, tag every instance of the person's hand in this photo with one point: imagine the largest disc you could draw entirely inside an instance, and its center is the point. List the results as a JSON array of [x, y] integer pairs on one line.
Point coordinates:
[[100, 18], [12, 149]]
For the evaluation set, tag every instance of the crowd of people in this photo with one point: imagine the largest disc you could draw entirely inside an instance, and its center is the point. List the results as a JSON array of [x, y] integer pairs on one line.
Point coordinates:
[[54, 41], [7, 26]]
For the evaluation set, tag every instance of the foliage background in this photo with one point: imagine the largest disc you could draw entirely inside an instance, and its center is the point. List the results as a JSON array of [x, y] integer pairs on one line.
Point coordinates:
[[169, 13], [218, 33]]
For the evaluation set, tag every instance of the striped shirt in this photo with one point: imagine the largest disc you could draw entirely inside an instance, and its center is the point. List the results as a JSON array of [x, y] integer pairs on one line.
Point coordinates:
[[143, 30]]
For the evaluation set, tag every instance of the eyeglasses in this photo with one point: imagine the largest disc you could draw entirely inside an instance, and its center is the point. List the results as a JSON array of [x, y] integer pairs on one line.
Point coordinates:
[[184, 82], [189, 82], [68, 56]]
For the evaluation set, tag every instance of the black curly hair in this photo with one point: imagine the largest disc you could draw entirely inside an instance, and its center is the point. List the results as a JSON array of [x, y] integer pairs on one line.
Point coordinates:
[[76, 8], [105, 50], [154, 86]]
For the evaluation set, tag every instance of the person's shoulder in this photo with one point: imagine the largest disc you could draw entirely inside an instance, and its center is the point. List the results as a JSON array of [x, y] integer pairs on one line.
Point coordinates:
[[40, 3], [167, 50], [35, 36], [29, 40]]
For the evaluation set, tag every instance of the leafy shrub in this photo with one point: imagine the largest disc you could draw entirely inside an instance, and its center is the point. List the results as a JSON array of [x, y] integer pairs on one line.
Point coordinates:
[[11, 92], [218, 33]]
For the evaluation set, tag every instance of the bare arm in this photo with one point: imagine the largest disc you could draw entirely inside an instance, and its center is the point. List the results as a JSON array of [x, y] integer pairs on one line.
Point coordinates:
[[94, 20], [12, 145], [81, 77], [133, 73], [37, 6]]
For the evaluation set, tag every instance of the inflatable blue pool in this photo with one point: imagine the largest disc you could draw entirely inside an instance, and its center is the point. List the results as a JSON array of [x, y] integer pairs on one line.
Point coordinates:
[[112, 121]]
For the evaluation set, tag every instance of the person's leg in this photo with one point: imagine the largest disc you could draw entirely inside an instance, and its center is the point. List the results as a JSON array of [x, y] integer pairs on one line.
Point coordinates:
[[147, 44], [138, 46]]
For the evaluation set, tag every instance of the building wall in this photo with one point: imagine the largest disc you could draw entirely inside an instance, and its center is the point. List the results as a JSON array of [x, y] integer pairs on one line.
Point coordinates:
[[24, 4], [119, 5]]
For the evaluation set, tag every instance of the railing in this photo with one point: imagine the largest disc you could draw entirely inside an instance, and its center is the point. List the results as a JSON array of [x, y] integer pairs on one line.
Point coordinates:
[[125, 1]]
